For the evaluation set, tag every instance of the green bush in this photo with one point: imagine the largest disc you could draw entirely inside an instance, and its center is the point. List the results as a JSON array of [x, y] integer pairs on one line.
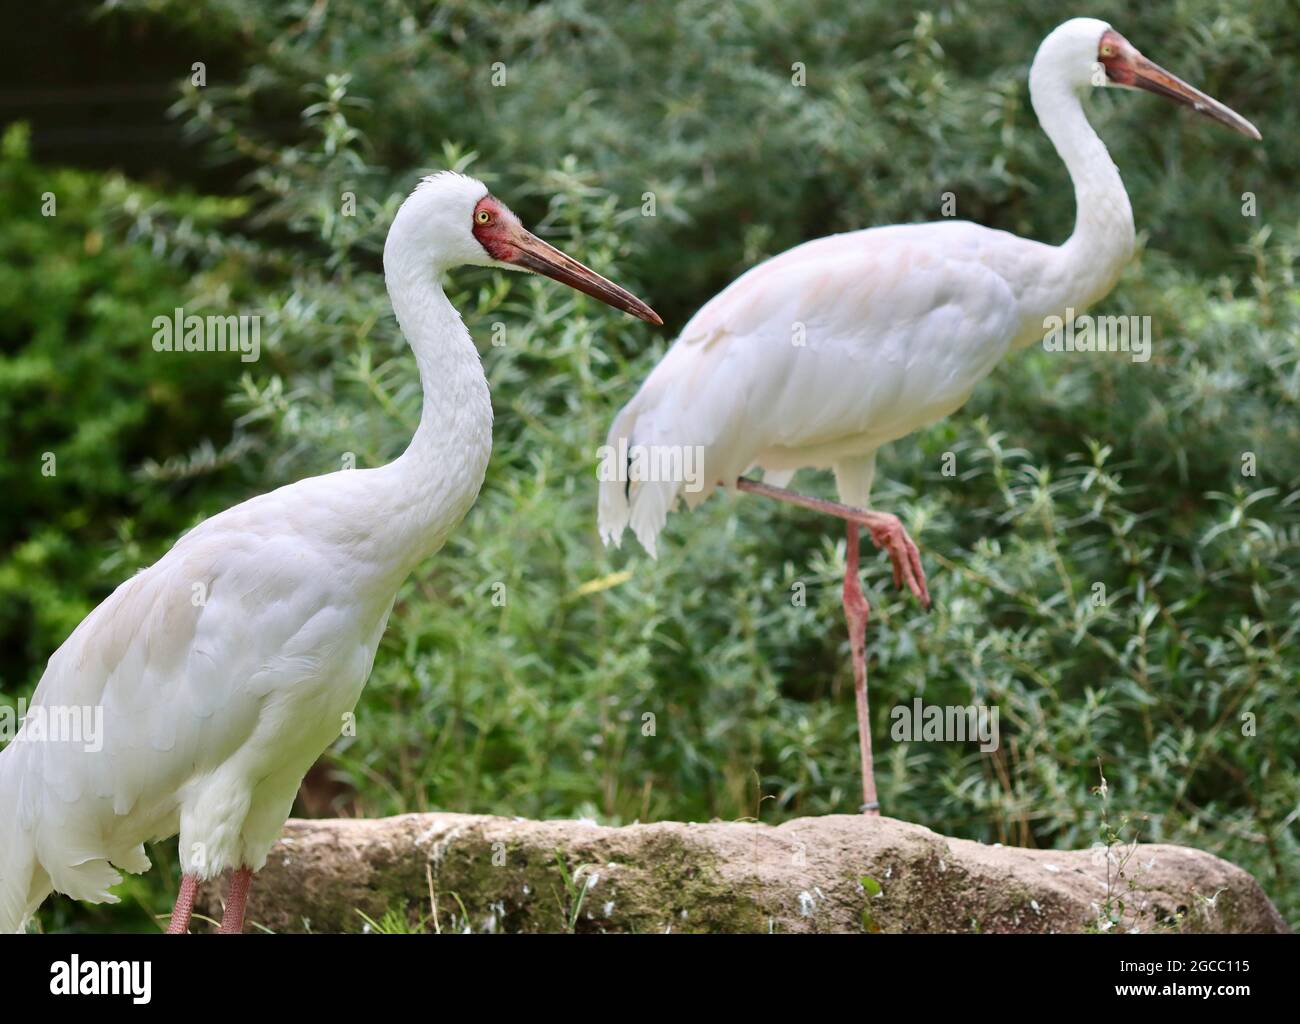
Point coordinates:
[[89, 408], [1073, 472]]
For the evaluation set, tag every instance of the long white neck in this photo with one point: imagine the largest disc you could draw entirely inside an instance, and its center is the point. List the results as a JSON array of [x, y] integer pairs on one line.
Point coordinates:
[[1090, 261], [430, 487]]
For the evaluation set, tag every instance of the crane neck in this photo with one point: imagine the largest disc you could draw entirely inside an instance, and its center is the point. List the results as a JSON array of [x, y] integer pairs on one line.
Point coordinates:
[[431, 486], [1103, 238]]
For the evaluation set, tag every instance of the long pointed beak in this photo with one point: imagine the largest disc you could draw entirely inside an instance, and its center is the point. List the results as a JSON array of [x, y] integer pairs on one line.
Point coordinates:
[[1153, 78], [531, 253]]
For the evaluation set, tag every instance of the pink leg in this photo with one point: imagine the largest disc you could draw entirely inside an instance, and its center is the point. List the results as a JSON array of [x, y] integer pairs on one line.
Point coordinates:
[[886, 532], [184, 908], [856, 610], [232, 920]]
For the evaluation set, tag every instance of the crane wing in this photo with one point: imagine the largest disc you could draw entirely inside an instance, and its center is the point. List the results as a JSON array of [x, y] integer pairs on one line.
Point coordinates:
[[169, 676], [818, 355]]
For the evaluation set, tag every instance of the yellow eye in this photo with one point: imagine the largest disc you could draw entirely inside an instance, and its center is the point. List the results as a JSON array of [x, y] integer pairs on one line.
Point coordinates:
[[1107, 50], [483, 216]]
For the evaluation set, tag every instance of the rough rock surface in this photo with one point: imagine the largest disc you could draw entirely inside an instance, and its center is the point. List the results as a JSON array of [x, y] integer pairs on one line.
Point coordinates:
[[510, 875]]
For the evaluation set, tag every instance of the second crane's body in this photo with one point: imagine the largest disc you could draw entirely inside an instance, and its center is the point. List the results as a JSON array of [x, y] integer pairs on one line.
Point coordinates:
[[821, 355]]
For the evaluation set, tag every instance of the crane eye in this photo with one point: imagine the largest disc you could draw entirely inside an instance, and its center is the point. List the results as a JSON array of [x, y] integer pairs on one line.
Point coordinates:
[[482, 216], [1108, 50]]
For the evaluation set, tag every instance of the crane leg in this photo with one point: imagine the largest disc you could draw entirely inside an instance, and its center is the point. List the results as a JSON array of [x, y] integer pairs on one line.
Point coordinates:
[[888, 534], [232, 918], [184, 908], [856, 610]]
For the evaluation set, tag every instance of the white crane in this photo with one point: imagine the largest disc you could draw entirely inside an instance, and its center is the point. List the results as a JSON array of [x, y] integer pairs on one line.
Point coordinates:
[[821, 355], [226, 668]]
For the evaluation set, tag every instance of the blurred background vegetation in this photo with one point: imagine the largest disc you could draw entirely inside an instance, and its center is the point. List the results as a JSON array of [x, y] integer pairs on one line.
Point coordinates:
[[1072, 470]]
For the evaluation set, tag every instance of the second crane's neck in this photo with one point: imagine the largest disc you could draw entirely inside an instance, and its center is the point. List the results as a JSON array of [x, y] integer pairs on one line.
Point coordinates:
[[1102, 243], [435, 481]]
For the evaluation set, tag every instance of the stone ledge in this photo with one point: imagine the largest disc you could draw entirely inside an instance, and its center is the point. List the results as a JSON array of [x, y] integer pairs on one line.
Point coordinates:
[[806, 875]]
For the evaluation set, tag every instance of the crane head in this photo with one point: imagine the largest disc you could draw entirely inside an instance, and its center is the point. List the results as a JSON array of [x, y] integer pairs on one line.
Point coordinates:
[[511, 245], [452, 220], [1125, 67]]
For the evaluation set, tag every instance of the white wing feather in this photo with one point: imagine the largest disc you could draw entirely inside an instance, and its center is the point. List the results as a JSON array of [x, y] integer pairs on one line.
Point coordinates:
[[196, 664], [820, 355]]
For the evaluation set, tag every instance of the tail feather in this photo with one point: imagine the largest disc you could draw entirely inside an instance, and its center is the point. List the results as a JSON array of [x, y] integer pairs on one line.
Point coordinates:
[[692, 419], [23, 883], [651, 503], [641, 504], [613, 510]]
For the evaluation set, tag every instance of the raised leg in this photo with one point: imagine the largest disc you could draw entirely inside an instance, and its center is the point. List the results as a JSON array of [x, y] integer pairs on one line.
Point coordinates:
[[232, 919], [886, 532], [856, 610], [184, 908]]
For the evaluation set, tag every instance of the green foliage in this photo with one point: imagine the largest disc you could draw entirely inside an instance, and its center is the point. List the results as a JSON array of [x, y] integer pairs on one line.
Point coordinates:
[[870, 890], [88, 406], [1074, 472], [575, 892]]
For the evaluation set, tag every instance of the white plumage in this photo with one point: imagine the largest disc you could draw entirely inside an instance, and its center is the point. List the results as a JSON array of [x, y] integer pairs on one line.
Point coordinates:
[[819, 356]]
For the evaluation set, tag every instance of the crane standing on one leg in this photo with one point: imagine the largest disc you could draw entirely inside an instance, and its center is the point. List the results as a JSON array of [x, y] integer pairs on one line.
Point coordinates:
[[821, 355]]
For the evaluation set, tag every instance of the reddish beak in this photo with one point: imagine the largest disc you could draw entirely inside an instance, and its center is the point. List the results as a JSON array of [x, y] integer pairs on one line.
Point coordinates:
[[528, 251], [1153, 78]]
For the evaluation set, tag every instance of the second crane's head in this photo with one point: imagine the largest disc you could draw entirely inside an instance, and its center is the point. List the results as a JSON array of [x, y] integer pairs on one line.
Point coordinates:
[[1084, 53], [452, 220]]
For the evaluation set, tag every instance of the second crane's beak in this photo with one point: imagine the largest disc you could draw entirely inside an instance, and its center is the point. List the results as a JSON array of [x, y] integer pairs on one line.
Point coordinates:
[[1127, 67]]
